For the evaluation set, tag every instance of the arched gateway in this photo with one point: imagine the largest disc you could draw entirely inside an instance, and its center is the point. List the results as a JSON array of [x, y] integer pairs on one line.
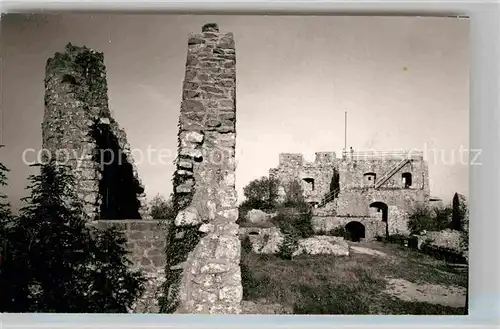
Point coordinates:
[[355, 230]]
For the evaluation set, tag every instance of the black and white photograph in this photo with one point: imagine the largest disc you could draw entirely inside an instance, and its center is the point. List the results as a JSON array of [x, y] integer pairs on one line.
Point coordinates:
[[234, 164]]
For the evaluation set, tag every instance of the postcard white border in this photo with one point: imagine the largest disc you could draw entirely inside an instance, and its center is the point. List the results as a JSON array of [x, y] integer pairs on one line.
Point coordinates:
[[484, 180]]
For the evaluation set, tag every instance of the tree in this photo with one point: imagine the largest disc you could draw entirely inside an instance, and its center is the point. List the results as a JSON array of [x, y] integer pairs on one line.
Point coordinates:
[[335, 182], [5, 215], [5, 211], [425, 219], [294, 194], [459, 212], [161, 208], [58, 264], [261, 193]]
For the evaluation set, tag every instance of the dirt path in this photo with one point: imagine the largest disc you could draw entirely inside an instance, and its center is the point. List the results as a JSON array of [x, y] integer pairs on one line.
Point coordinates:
[[431, 293], [453, 296], [367, 251]]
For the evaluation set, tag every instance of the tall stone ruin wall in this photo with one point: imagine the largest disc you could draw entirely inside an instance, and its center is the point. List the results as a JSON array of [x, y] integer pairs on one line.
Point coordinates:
[[203, 272], [292, 166], [76, 114]]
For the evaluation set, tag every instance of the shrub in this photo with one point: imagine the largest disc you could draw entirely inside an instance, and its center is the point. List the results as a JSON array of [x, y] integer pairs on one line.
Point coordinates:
[[299, 225], [397, 239], [442, 253], [339, 231], [288, 246], [246, 245], [423, 219]]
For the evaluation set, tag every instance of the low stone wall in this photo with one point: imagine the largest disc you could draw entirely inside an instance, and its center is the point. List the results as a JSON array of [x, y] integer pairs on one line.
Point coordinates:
[[146, 244], [446, 245], [264, 240], [449, 239]]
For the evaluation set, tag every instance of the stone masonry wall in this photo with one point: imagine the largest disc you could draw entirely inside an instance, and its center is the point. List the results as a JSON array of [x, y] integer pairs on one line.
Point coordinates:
[[203, 273], [352, 173], [293, 167], [373, 226], [146, 244], [76, 110]]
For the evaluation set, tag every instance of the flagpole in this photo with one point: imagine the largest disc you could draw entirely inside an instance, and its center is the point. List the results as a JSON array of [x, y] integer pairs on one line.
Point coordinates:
[[345, 132]]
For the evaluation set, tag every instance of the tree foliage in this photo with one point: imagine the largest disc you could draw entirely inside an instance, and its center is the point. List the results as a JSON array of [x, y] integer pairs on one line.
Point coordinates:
[[5, 211], [459, 213], [261, 194], [161, 208], [426, 219], [55, 263], [335, 182], [294, 194], [5, 215]]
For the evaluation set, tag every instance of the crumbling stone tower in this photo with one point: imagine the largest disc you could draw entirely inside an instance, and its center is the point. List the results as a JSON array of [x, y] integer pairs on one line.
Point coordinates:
[[203, 252], [78, 131]]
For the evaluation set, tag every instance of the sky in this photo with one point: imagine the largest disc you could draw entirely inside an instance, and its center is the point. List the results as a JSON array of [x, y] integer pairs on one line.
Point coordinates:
[[403, 81]]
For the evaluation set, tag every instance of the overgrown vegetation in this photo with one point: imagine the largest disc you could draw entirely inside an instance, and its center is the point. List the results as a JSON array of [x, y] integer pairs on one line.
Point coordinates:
[[339, 231], [398, 239], [260, 194], [443, 253], [161, 208], [52, 262], [5, 215], [334, 189], [459, 213], [294, 195], [426, 219], [293, 215], [296, 224], [448, 217]]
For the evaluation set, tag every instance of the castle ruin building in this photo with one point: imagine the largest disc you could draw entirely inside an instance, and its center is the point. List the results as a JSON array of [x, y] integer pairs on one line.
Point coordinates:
[[374, 193], [315, 177], [79, 131]]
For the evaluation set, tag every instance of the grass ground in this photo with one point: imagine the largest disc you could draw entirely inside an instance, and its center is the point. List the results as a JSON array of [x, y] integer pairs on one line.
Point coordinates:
[[347, 285]]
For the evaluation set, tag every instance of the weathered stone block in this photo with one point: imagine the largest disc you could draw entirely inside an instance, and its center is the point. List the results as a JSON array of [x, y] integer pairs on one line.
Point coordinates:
[[191, 152], [188, 217], [193, 40], [185, 164], [189, 105], [191, 137], [215, 267]]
